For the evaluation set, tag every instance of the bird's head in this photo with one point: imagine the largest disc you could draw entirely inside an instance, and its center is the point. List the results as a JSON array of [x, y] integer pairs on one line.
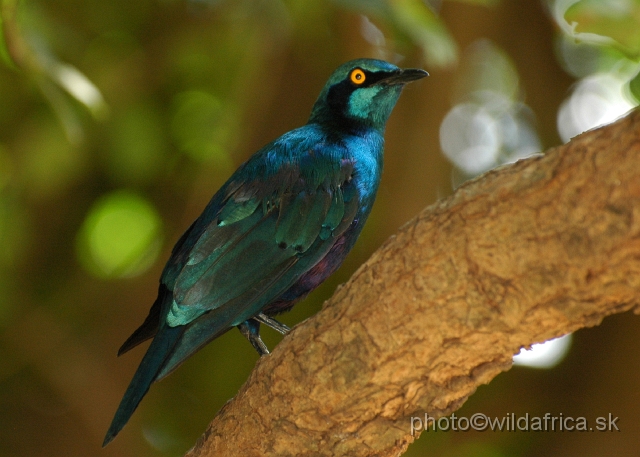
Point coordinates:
[[361, 93]]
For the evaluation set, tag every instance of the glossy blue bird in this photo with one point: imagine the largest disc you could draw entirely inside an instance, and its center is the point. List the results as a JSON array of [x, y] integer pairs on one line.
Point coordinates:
[[281, 224]]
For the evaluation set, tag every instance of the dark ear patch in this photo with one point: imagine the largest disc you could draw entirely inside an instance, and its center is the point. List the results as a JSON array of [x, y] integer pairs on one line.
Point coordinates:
[[338, 95]]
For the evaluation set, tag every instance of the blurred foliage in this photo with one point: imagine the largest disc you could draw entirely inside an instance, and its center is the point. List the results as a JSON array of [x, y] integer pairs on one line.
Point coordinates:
[[598, 47], [119, 120], [634, 87], [120, 236], [415, 23], [203, 127], [613, 21]]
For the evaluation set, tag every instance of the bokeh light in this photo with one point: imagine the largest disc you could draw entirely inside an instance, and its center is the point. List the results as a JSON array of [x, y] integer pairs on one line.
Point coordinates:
[[203, 127], [599, 45], [80, 87], [488, 126], [596, 100], [120, 237], [544, 355]]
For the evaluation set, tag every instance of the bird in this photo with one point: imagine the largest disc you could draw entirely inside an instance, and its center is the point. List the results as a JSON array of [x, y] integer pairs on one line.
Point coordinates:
[[282, 223]]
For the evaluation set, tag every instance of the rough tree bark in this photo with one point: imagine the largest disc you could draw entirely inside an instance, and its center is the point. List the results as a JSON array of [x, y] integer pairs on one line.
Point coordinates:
[[524, 253]]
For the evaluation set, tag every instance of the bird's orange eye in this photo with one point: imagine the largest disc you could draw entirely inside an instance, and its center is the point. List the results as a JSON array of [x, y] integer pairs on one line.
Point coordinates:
[[357, 76]]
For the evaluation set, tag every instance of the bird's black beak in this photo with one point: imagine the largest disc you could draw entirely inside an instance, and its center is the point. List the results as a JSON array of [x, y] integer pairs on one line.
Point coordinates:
[[403, 76]]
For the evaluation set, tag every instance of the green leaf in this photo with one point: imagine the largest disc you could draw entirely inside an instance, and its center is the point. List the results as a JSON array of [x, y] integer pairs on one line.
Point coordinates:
[[426, 29], [417, 21], [617, 20], [634, 87]]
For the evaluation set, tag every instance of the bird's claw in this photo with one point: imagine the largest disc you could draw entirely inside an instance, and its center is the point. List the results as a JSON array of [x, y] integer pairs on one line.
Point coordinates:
[[274, 324], [251, 331]]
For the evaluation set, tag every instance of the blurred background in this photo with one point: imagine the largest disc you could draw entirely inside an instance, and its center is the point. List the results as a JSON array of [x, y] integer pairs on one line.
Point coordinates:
[[119, 120]]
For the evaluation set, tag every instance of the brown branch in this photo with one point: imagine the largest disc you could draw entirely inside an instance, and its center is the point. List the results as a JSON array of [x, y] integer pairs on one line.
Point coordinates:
[[522, 254]]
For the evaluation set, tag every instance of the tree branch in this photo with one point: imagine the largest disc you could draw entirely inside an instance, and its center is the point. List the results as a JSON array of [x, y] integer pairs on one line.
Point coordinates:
[[525, 253]]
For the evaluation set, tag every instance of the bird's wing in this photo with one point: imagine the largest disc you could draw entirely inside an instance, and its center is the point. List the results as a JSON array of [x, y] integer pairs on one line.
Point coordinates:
[[151, 324], [269, 230], [338, 217]]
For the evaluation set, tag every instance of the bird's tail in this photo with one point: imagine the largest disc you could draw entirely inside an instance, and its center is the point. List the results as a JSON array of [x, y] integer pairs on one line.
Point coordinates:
[[153, 361]]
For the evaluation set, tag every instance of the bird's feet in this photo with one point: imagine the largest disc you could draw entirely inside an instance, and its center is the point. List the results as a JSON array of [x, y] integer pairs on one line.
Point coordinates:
[[274, 324], [251, 331]]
